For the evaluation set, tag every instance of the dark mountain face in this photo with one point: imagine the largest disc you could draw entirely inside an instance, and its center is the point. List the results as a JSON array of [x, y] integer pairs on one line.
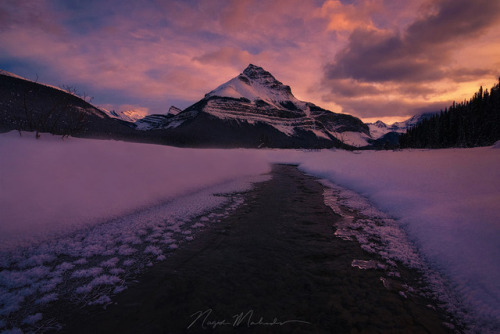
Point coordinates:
[[30, 106]]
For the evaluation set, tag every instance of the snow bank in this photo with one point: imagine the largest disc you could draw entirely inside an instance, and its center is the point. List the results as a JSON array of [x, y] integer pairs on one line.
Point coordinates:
[[53, 185], [447, 200]]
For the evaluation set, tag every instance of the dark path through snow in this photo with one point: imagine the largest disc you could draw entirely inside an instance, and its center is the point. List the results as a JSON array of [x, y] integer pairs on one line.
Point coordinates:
[[274, 262]]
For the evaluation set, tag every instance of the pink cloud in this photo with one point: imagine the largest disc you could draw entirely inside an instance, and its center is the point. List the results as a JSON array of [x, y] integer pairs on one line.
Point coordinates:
[[180, 50]]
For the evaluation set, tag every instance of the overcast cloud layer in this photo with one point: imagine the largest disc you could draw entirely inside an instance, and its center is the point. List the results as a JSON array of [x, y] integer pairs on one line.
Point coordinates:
[[372, 59]]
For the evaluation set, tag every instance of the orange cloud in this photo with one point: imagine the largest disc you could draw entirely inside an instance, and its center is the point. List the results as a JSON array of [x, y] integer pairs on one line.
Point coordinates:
[[348, 17], [337, 54]]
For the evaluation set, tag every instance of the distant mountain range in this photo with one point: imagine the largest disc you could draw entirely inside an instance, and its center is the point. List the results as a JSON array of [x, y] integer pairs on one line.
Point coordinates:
[[388, 135], [253, 109]]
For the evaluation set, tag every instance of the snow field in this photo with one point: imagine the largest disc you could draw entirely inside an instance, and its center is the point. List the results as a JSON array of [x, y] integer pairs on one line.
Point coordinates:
[[89, 266], [50, 186], [437, 205], [43, 259], [446, 202]]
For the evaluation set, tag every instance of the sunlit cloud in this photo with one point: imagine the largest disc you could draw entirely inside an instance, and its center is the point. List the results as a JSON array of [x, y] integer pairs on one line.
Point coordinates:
[[409, 63], [348, 17], [337, 54]]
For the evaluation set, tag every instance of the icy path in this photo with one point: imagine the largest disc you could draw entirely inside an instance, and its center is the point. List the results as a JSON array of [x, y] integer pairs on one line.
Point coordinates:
[[273, 265]]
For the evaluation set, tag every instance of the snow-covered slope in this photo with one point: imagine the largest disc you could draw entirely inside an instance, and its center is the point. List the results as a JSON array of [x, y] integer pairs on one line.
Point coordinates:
[[12, 75], [259, 106], [378, 129], [3, 72], [256, 84]]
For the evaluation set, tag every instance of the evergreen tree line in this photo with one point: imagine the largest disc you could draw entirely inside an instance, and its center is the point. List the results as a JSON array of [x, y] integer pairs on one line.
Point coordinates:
[[468, 124]]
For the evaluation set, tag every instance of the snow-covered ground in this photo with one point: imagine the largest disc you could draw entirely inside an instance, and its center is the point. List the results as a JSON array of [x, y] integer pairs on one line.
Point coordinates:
[[52, 184], [79, 218], [448, 201], [105, 206]]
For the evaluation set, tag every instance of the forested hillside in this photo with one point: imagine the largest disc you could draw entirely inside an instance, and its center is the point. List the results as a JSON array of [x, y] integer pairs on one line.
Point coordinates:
[[468, 124]]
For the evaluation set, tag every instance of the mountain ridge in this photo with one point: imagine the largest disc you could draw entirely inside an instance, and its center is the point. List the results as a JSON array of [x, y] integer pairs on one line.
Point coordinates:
[[253, 109], [255, 100]]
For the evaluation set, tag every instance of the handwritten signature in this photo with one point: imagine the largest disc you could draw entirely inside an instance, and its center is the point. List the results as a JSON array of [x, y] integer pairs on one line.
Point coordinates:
[[248, 319]]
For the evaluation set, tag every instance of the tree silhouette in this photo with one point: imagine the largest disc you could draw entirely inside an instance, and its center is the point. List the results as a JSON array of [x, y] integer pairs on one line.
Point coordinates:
[[471, 123]]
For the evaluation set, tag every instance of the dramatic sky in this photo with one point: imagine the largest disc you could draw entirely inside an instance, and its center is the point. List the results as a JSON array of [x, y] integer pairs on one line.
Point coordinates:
[[375, 59]]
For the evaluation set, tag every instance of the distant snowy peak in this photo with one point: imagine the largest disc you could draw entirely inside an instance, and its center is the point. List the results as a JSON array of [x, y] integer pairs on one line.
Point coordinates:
[[134, 115], [127, 115], [380, 124], [413, 120], [255, 84], [380, 129]]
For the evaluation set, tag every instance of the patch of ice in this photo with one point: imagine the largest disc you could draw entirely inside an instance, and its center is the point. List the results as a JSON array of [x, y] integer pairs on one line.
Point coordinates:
[[110, 263], [128, 263], [65, 266], [32, 319], [47, 298], [102, 300], [105, 280], [84, 289], [126, 250], [386, 283], [119, 289], [81, 261], [90, 272], [370, 264], [116, 271], [11, 302], [14, 330], [153, 250], [37, 260]]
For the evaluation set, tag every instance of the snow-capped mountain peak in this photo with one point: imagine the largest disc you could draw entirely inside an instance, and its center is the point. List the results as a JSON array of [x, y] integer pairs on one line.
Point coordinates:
[[255, 84], [266, 79], [254, 109]]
